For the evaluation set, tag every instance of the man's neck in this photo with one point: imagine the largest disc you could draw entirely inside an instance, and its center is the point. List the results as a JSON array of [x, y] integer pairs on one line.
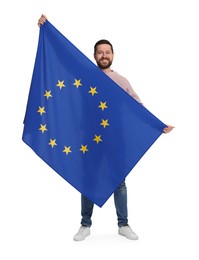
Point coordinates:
[[107, 70]]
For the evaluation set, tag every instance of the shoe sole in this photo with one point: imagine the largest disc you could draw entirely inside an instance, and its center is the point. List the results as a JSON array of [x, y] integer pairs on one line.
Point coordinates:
[[130, 238]]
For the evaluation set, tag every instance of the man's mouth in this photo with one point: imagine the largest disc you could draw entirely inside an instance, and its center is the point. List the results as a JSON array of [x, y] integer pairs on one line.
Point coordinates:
[[102, 60]]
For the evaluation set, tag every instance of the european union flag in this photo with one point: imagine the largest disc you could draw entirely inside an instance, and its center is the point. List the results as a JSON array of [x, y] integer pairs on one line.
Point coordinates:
[[80, 122]]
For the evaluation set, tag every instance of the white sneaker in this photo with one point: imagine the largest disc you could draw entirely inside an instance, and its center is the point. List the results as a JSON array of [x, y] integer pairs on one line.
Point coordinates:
[[127, 232], [82, 233]]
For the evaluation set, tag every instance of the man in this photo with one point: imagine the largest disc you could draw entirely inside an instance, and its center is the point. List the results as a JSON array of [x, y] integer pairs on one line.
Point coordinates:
[[103, 55]]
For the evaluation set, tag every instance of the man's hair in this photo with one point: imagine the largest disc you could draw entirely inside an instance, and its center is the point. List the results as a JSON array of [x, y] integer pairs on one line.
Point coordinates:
[[103, 41]]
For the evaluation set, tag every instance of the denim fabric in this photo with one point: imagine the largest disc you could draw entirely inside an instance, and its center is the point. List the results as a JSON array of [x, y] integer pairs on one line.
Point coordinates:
[[120, 200]]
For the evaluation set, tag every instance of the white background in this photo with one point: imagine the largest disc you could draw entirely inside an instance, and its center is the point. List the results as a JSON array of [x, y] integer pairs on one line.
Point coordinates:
[[156, 46]]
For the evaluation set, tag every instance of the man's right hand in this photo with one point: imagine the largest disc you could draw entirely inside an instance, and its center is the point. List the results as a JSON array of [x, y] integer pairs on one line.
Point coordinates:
[[42, 20]]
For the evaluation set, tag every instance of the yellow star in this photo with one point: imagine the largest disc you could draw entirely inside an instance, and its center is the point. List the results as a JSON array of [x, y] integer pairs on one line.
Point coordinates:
[[93, 91], [104, 123], [41, 110], [83, 148], [97, 139], [77, 83], [102, 105], [47, 94], [43, 128], [52, 142], [60, 84], [67, 150]]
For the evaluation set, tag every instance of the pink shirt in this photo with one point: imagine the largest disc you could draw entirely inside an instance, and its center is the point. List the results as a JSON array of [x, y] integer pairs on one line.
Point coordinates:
[[123, 83]]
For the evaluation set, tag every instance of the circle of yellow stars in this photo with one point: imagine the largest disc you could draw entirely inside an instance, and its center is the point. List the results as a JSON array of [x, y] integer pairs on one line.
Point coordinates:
[[104, 122]]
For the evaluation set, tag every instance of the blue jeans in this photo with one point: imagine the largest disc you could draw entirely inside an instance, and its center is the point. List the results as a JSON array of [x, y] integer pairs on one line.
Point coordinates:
[[120, 200]]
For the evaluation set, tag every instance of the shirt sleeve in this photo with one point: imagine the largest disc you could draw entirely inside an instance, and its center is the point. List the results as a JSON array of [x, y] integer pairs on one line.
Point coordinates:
[[124, 83]]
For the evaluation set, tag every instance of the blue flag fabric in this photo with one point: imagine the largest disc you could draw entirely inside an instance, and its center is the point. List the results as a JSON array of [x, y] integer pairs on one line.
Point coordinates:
[[80, 122]]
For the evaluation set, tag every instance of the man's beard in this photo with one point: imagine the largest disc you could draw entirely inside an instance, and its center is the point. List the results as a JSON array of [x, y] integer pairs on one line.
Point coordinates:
[[101, 66]]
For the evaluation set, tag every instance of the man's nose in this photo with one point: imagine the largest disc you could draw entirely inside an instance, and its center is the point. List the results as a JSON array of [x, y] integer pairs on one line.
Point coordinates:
[[104, 55]]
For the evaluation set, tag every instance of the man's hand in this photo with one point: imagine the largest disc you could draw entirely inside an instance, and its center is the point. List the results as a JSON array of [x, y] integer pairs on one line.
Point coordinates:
[[168, 129], [42, 20]]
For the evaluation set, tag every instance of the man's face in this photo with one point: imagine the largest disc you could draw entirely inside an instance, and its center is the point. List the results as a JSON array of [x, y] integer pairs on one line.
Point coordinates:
[[104, 56]]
